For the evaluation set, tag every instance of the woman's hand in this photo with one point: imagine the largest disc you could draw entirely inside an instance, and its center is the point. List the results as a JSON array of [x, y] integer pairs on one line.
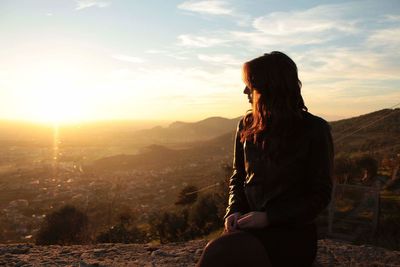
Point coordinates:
[[254, 219], [231, 222]]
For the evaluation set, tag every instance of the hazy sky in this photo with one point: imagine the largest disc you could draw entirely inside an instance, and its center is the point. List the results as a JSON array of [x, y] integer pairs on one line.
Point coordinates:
[[181, 60]]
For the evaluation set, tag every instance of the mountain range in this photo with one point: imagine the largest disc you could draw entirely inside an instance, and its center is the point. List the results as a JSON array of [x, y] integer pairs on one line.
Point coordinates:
[[374, 133]]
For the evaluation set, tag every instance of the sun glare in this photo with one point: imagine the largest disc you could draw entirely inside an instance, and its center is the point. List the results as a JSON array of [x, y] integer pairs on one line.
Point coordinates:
[[52, 93]]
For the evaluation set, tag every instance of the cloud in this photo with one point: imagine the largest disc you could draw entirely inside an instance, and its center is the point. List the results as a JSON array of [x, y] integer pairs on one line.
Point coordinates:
[[350, 81], [128, 58], [333, 65], [256, 39], [216, 8], [316, 25], [389, 37], [210, 91], [207, 7], [159, 81], [155, 51], [222, 59], [199, 41], [173, 53], [82, 4], [314, 20], [392, 18]]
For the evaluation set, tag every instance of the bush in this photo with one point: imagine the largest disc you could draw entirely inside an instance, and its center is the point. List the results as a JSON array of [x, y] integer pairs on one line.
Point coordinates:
[[64, 226], [187, 196], [172, 226], [123, 232], [204, 215], [120, 234]]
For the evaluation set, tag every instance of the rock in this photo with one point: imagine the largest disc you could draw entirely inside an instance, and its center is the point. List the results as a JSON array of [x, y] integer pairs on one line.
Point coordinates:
[[330, 253], [94, 264], [65, 251], [99, 252], [62, 262], [198, 252], [15, 249], [22, 263], [160, 253], [151, 249]]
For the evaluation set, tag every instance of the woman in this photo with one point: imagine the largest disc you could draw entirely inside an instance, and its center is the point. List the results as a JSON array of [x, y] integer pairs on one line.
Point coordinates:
[[282, 173]]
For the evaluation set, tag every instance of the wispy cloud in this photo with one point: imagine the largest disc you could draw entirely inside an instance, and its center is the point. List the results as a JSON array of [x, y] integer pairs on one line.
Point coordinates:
[[199, 41], [173, 53], [386, 37], [155, 51], [128, 58], [314, 20], [200, 87], [207, 7], [316, 25], [325, 65], [216, 8], [221, 59], [177, 79], [82, 4], [392, 18]]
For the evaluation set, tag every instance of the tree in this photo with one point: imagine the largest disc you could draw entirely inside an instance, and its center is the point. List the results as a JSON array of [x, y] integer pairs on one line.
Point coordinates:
[[222, 194], [204, 215], [125, 231], [65, 226], [120, 234], [172, 226], [187, 196]]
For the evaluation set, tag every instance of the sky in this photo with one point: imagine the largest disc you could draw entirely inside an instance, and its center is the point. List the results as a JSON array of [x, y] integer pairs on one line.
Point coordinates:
[[82, 60]]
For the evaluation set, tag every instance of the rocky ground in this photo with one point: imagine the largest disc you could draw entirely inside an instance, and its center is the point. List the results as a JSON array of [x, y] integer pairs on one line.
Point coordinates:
[[330, 253]]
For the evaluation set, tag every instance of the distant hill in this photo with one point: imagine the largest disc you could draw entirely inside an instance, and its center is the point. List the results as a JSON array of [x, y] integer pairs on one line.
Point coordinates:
[[380, 137], [178, 132], [159, 157], [25, 133]]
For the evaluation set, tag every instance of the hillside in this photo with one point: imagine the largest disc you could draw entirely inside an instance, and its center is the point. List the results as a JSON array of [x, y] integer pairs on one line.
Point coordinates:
[[380, 137], [158, 156], [179, 132]]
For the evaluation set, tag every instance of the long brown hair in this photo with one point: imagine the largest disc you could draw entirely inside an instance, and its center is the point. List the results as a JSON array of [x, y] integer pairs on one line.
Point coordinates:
[[277, 113]]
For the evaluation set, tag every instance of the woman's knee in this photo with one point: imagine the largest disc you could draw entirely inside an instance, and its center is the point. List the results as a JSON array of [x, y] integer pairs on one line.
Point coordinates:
[[235, 248], [219, 244]]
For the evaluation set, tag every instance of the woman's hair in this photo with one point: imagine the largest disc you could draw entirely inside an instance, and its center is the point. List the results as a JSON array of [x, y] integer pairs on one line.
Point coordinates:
[[278, 110]]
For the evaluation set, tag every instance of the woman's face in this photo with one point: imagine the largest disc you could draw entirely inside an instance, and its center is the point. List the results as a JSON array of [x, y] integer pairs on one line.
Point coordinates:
[[249, 94], [252, 94]]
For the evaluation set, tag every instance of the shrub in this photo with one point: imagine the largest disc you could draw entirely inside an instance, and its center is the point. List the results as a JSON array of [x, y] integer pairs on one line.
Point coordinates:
[[124, 232], [204, 215], [187, 196], [172, 226], [65, 226]]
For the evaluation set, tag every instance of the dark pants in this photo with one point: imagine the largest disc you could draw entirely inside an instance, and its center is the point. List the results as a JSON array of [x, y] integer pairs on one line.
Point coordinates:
[[288, 246], [272, 246]]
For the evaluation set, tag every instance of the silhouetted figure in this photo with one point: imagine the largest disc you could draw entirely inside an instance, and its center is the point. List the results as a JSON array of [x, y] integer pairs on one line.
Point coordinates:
[[282, 173]]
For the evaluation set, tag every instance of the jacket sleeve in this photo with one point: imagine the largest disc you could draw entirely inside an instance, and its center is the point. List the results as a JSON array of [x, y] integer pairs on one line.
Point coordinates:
[[319, 174], [237, 201]]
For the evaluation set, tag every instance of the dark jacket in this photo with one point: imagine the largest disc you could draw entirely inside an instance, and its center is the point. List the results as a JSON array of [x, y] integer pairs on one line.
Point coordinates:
[[292, 190]]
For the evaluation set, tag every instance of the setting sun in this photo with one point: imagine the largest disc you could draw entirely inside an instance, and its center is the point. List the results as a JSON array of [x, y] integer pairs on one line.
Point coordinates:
[[51, 92]]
